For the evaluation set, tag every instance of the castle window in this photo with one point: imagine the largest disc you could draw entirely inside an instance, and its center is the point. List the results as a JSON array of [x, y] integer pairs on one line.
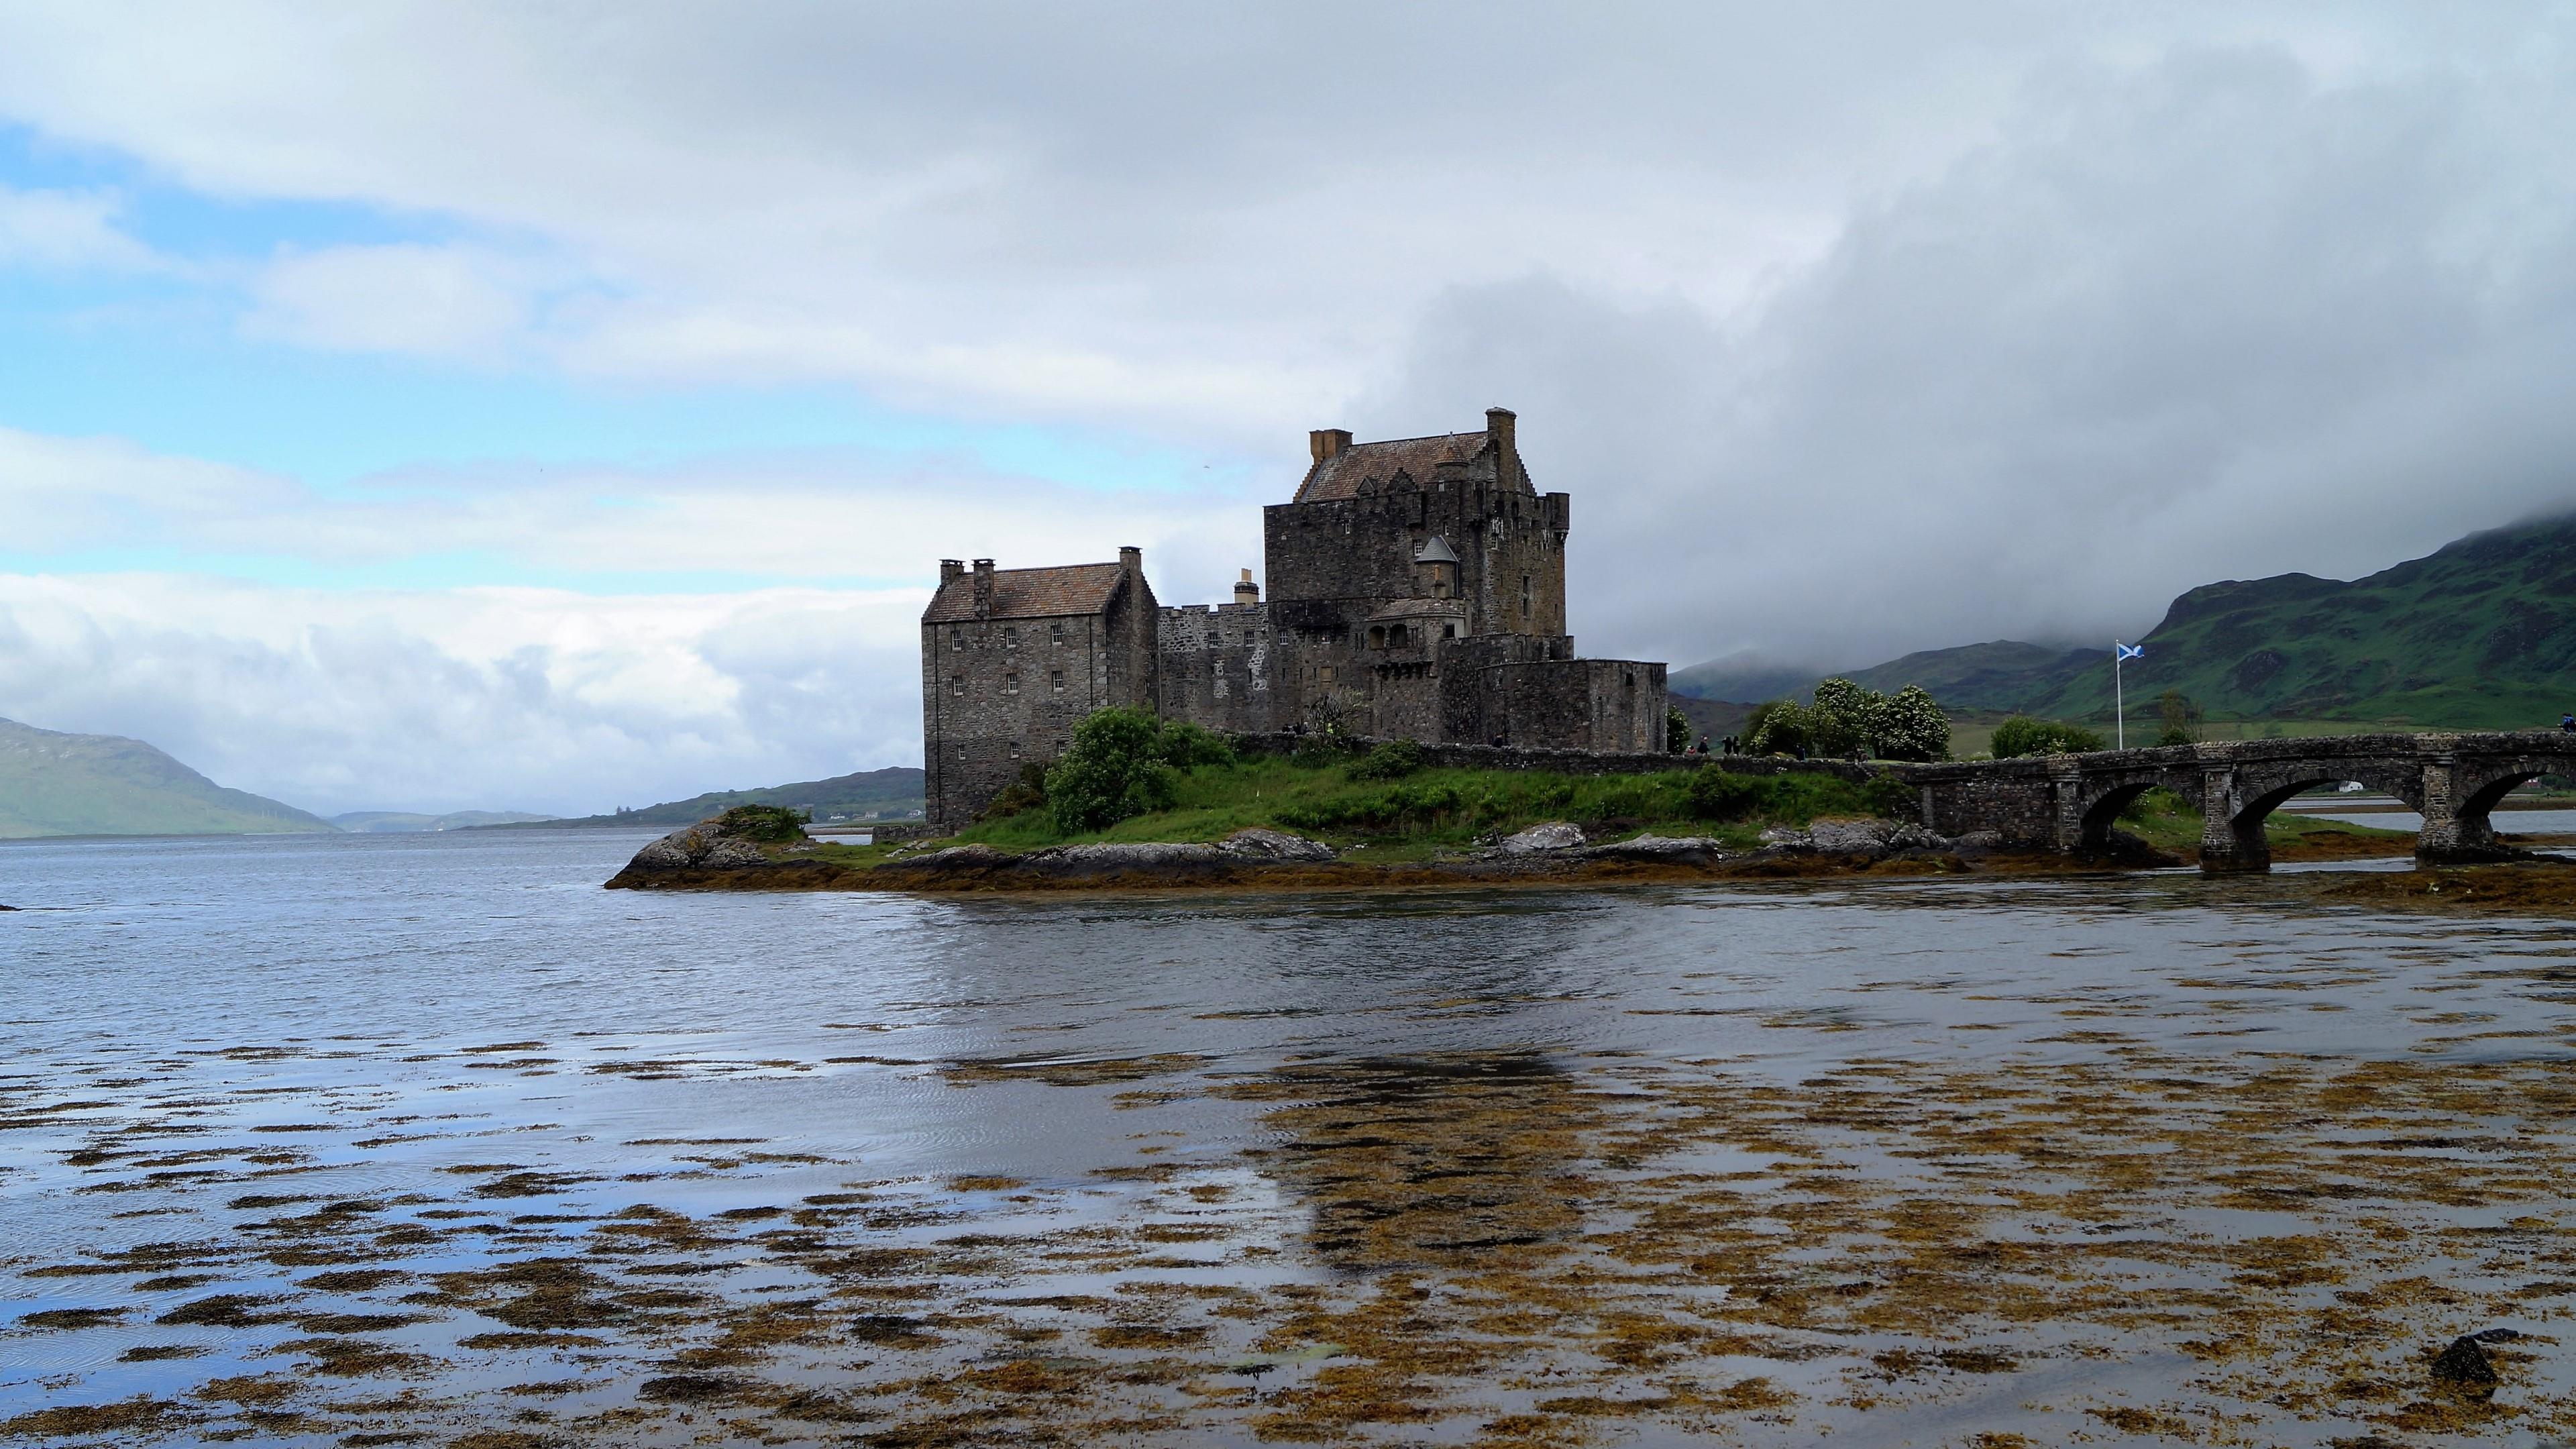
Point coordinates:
[[1056, 680], [957, 684], [1377, 636], [961, 752], [956, 638], [1010, 684], [1325, 674], [1055, 631], [1448, 631], [1525, 598], [1015, 751], [1395, 636], [1010, 638]]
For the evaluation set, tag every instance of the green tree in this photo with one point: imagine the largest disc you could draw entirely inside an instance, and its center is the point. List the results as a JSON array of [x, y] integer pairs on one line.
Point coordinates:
[[1115, 769], [1907, 725], [1677, 730], [1912, 726], [2182, 717], [2022, 735]]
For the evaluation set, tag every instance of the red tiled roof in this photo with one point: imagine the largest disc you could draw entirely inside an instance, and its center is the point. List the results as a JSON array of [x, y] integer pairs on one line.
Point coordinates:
[[1340, 476], [1028, 593]]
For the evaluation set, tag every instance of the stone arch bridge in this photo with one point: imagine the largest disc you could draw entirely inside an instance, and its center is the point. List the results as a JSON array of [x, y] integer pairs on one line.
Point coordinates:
[[2069, 802]]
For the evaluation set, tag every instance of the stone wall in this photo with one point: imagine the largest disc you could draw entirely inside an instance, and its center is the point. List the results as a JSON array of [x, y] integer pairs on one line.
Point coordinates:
[[1217, 666]]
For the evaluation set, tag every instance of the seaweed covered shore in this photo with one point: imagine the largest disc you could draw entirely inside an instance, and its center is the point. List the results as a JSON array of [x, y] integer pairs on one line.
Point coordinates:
[[753, 851]]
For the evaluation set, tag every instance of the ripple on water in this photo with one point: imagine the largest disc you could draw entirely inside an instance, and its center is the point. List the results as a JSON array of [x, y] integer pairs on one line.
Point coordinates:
[[398, 1137]]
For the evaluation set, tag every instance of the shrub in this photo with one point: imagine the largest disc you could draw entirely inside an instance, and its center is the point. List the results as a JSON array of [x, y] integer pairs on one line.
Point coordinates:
[[2022, 735], [764, 822], [1184, 745], [1115, 769], [1021, 795], [1677, 730], [1713, 794], [1392, 760], [1889, 797]]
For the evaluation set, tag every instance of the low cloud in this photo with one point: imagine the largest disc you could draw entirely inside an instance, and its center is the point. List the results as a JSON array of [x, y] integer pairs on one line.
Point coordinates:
[[474, 698], [2210, 318]]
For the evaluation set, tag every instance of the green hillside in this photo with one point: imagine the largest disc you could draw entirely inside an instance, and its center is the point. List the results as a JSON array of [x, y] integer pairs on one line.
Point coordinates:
[[64, 784], [399, 822], [2479, 635], [888, 794]]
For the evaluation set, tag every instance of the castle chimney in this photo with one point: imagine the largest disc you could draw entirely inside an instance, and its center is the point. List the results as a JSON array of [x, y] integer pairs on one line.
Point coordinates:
[[1245, 590], [951, 570], [1498, 426], [983, 588], [1132, 560], [1328, 443]]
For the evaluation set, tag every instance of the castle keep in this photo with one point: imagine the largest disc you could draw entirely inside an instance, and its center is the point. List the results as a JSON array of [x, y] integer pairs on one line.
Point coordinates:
[[1417, 588]]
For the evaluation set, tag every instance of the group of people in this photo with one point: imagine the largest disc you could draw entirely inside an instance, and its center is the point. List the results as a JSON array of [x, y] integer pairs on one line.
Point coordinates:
[[1728, 746]]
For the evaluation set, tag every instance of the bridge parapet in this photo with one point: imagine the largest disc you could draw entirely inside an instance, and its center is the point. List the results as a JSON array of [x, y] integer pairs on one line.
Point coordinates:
[[2070, 802]]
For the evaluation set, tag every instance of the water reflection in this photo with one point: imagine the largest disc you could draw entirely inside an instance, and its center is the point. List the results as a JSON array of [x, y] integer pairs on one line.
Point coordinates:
[[429, 1136]]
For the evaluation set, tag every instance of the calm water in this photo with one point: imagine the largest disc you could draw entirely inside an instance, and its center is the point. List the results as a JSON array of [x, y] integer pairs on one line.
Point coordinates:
[[461, 1045]]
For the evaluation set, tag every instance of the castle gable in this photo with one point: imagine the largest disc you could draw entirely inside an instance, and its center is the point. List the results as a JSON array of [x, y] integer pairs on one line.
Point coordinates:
[[1028, 593], [1369, 466]]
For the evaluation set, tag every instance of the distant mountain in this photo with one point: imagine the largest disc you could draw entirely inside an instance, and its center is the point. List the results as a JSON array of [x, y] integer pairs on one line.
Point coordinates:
[[395, 822], [66, 784], [2481, 634], [892, 793], [1746, 677]]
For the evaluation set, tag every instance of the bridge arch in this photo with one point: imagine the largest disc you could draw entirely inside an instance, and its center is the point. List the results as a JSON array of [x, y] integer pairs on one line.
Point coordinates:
[[2105, 797], [2461, 827]]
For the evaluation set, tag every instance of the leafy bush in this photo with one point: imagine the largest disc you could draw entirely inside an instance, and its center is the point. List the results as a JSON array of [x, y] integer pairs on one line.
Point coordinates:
[[1713, 794], [2022, 735], [1889, 797], [1115, 769], [1677, 730], [1183, 745], [773, 823], [1392, 760], [1024, 794]]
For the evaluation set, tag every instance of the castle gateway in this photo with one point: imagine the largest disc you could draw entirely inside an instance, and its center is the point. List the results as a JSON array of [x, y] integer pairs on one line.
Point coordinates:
[[1417, 588]]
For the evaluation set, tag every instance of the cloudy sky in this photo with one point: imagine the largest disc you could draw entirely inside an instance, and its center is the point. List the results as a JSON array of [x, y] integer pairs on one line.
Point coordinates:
[[558, 406]]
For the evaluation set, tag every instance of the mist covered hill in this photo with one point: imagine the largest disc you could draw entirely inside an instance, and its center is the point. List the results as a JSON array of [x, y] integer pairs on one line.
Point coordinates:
[[52, 783], [2481, 634], [404, 822]]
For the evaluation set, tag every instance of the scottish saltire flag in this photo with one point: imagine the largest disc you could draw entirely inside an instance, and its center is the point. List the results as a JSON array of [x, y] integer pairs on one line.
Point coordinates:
[[2121, 653]]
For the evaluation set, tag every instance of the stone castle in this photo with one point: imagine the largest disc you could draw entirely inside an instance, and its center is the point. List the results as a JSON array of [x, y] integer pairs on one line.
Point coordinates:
[[1417, 588]]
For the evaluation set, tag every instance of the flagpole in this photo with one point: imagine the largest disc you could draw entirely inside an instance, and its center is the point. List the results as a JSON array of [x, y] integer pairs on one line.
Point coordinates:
[[2119, 700]]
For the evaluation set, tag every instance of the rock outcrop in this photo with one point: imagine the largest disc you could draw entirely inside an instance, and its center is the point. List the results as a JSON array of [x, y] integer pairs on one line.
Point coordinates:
[[1555, 835]]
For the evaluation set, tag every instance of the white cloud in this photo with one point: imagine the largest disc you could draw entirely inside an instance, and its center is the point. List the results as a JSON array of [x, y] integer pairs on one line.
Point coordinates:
[[67, 230], [476, 698], [442, 301], [371, 697]]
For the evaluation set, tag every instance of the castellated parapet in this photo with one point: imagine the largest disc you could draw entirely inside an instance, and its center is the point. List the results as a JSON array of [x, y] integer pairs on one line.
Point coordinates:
[[1417, 589]]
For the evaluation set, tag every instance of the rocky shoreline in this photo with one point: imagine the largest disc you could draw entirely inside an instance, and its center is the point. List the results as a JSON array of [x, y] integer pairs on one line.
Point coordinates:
[[706, 856]]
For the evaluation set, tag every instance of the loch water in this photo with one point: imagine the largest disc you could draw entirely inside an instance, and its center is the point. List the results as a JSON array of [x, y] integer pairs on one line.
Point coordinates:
[[428, 1138]]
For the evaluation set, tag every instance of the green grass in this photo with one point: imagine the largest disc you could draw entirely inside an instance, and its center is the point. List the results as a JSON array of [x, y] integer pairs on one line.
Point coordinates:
[[2168, 822], [1429, 812]]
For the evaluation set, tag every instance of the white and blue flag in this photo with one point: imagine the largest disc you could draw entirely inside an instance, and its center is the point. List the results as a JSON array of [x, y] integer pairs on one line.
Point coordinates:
[[2121, 653]]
